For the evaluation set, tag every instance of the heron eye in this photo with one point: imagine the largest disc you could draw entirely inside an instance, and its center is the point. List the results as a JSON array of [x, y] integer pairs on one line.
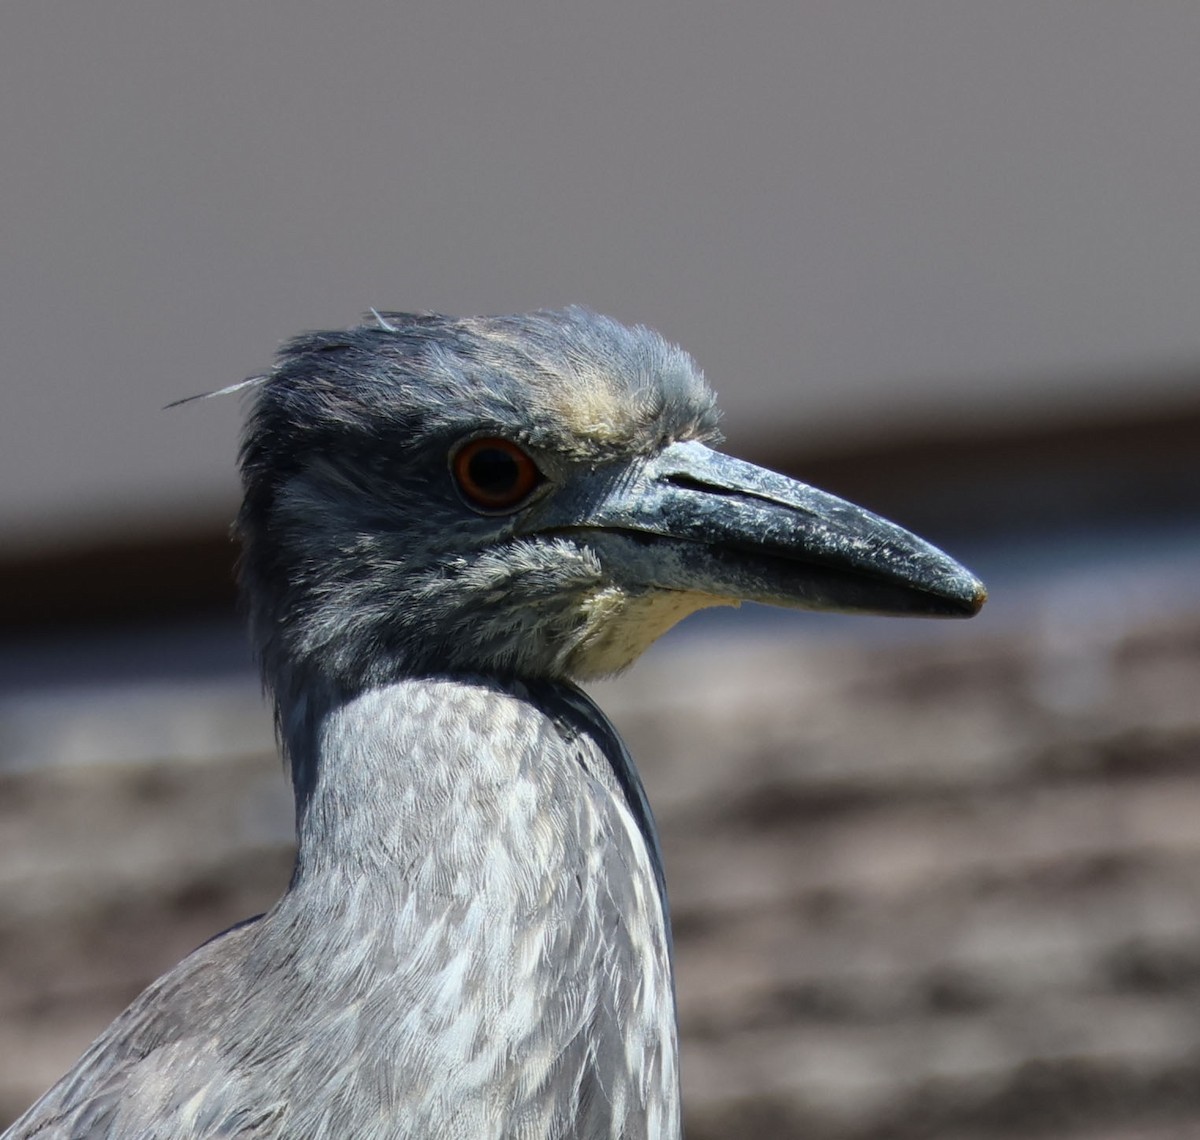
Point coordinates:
[[494, 474]]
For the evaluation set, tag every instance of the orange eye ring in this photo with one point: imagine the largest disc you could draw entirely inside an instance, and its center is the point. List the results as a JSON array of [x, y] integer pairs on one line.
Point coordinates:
[[493, 474]]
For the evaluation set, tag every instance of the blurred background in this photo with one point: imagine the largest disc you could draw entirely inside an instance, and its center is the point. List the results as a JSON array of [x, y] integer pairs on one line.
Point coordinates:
[[942, 257]]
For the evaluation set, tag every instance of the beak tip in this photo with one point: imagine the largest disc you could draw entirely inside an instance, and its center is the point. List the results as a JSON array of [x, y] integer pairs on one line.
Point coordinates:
[[973, 596]]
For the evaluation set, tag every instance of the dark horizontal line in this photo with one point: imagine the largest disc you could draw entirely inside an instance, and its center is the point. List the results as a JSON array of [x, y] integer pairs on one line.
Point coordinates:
[[1023, 479]]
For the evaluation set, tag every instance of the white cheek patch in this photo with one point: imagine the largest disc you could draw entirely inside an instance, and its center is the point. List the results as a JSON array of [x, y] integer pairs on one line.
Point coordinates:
[[622, 626]]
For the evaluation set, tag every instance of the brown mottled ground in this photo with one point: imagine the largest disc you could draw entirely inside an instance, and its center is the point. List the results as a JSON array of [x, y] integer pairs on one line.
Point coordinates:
[[940, 890]]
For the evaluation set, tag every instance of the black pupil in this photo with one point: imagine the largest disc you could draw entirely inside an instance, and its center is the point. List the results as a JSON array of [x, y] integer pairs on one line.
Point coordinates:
[[494, 472]]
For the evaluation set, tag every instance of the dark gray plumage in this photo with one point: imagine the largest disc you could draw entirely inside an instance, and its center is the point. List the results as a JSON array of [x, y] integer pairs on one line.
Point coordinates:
[[446, 523]]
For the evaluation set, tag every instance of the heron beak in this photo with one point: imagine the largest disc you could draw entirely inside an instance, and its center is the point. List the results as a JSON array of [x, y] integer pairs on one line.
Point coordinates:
[[694, 520]]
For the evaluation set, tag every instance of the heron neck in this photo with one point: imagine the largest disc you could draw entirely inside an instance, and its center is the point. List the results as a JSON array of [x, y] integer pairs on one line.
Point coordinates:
[[468, 846], [372, 772]]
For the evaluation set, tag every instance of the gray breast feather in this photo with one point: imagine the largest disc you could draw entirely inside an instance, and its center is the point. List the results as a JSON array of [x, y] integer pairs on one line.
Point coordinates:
[[475, 947]]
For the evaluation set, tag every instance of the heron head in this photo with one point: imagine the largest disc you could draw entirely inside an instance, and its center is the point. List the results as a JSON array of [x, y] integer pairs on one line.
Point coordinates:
[[529, 496]]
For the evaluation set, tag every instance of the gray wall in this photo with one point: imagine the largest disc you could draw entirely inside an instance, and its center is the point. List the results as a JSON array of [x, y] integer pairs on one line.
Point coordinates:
[[855, 215]]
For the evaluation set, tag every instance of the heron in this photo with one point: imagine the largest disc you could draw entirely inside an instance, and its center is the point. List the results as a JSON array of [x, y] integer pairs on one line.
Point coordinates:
[[448, 525]]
